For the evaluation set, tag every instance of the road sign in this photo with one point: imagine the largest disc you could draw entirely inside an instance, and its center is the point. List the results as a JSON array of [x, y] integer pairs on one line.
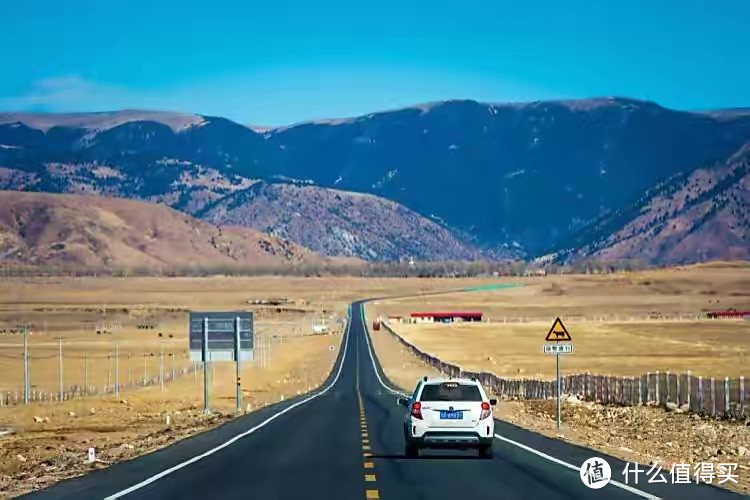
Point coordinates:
[[558, 332], [558, 348], [220, 328]]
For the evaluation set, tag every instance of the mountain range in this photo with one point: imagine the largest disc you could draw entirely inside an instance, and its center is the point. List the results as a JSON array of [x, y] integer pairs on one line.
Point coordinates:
[[55, 229], [455, 179]]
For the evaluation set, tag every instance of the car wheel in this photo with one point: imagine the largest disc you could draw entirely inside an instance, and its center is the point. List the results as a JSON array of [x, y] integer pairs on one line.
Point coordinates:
[[411, 451], [485, 451]]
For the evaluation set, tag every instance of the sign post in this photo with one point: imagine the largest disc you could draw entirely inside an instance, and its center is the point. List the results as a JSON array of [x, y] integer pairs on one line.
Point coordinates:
[[238, 361], [221, 336], [558, 333], [204, 349]]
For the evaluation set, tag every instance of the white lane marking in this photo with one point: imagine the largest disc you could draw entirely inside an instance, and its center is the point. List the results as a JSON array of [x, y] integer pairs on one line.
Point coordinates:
[[273, 417], [497, 436], [618, 484], [369, 350]]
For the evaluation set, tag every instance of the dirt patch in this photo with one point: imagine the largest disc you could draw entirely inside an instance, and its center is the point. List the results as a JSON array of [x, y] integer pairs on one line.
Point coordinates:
[[643, 434]]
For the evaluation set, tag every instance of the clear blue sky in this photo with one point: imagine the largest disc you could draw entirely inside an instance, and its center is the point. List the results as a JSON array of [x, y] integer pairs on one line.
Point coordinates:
[[274, 62]]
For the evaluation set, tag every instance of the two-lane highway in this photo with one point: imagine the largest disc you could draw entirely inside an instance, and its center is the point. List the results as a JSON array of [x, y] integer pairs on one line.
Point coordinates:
[[344, 441]]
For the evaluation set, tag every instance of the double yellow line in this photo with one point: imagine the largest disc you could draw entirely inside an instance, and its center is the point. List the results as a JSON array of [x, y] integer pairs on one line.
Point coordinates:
[[371, 490]]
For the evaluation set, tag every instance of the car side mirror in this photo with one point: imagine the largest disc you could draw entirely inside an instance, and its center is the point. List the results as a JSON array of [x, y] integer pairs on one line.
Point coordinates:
[[493, 402], [403, 402]]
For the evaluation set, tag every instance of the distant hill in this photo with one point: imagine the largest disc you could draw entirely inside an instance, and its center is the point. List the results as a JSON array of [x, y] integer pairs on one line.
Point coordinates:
[[698, 215], [339, 223], [41, 228], [509, 178]]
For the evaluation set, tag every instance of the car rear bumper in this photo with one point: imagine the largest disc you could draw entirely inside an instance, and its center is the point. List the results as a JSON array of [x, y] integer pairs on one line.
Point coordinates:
[[453, 439]]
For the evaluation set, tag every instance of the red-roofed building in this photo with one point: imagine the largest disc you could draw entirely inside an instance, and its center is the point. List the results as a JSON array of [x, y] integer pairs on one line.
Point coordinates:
[[728, 313], [445, 316]]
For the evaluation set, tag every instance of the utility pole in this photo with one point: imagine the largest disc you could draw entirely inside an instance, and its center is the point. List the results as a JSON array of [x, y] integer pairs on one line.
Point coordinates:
[[161, 368], [238, 362], [60, 366], [558, 390], [204, 349], [85, 372], [117, 369], [26, 364]]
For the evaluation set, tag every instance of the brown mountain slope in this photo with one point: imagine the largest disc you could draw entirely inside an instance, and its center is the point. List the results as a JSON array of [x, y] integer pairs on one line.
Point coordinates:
[[41, 228], [339, 223], [699, 215]]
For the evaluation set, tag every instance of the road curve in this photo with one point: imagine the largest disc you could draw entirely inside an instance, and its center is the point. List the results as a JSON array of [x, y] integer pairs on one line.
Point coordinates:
[[344, 441]]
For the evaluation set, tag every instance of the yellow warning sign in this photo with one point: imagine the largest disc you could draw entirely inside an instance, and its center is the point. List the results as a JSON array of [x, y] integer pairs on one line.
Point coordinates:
[[558, 332]]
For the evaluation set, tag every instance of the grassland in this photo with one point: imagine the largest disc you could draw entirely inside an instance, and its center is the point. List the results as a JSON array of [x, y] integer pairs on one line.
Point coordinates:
[[602, 343], [37, 454], [620, 324]]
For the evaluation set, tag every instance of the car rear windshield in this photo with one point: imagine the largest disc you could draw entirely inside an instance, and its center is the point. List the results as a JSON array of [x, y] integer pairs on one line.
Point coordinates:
[[451, 391]]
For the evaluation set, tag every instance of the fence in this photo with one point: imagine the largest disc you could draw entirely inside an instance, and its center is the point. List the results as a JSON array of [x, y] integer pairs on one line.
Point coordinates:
[[618, 318], [722, 397], [50, 374]]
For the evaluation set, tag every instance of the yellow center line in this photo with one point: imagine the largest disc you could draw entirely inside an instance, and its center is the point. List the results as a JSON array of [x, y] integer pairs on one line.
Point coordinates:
[[370, 494]]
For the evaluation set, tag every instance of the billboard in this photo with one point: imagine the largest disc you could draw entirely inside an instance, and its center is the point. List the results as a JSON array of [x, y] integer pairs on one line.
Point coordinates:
[[221, 327]]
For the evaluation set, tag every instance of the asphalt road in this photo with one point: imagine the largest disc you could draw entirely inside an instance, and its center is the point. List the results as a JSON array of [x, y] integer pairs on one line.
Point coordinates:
[[344, 441]]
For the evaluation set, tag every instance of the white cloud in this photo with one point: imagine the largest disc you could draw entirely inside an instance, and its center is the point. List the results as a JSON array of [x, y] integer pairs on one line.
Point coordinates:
[[69, 93]]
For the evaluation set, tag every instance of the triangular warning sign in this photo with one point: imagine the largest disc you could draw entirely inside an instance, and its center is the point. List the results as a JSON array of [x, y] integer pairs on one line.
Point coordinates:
[[558, 332]]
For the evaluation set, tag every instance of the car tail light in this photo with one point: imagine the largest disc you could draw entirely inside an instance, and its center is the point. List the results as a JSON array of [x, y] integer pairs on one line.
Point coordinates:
[[416, 410], [486, 412]]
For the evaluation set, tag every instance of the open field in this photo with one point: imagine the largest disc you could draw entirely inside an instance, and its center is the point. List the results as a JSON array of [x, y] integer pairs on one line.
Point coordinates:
[[639, 433], [75, 309], [616, 337], [37, 454]]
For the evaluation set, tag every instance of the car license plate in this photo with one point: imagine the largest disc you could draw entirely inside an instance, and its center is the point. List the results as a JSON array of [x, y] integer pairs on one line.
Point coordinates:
[[451, 415]]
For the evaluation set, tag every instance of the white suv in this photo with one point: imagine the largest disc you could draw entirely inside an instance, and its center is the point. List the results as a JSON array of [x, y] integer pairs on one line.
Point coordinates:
[[449, 413]]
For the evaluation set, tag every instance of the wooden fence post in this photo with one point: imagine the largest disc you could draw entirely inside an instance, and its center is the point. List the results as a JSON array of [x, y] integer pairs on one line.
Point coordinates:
[[656, 388], [586, 384], [666, 383], [640, 390], [688, 389], [713, 396], [726, 396], [742, 396], [617, 389], [700, 394], [677, 380]]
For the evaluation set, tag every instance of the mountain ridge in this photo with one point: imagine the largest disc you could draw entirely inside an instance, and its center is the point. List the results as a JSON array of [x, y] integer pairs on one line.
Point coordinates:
[[524, 176], [50, 228]]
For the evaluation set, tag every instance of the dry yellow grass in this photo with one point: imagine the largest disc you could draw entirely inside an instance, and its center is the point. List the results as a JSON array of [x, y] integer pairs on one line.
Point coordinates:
[[643, 434], [71, 308], [612, 346]]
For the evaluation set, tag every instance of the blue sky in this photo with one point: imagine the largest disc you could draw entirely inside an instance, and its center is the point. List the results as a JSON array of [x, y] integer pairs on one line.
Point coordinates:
[[277, 62]]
